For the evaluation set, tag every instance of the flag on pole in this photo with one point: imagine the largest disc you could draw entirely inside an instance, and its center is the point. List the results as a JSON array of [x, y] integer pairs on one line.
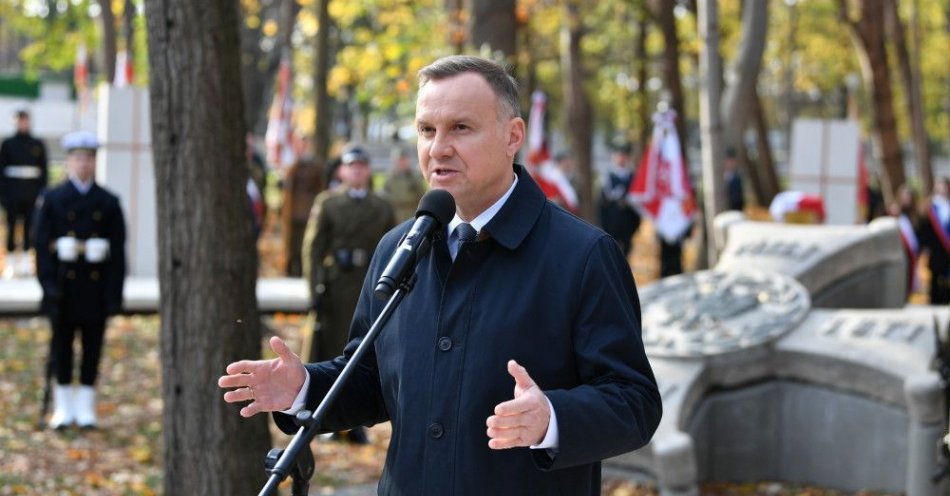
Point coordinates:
[[279, 135], [538, 152], [661, 187], [551, 179], [81, 77], [123, 69]]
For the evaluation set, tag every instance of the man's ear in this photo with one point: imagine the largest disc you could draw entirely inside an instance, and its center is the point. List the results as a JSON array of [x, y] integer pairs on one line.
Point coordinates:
[[516, 134]]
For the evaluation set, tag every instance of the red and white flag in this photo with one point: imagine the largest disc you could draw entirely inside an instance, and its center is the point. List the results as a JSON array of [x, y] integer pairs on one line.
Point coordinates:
[[538, 152], [661, 188], [81, 77], [280, 132], [123, 69], [553, 182]]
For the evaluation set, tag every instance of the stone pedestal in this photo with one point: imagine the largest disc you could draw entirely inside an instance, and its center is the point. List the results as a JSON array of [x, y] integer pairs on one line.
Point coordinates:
[[757, 386], [125, 167]]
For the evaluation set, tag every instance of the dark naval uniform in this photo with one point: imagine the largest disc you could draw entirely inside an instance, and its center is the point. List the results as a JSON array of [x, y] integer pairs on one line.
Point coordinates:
[[617, 216], [80, 289], [340, 239], [23, 174]]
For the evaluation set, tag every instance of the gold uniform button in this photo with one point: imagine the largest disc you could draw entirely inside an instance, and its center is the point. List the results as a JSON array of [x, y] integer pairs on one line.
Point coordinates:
[[94, 275], [70, 274], [71, 215], [71, 234], [97, 215]]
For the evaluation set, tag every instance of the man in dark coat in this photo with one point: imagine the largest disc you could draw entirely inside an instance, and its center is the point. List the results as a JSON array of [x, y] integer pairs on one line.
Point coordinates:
[[735, 196], [617, 216], [935, 240], [80, 262], [516, 364], [23, 175]]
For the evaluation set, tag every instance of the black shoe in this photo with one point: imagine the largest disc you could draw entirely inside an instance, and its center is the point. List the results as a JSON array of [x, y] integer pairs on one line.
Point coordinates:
[[357, 436]]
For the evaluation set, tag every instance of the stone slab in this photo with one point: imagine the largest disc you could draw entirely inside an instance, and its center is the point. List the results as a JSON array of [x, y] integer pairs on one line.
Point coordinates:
[[141, 295]]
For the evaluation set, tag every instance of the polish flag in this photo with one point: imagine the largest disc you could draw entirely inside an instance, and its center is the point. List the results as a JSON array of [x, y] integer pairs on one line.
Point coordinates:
[[123, 69], [279, 135], [551, 179], [538, 152], [661, 188]]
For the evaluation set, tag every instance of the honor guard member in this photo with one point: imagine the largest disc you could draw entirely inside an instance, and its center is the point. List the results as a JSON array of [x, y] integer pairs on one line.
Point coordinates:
[[344, 228], [617, 216], [80, 239], [23, 173]]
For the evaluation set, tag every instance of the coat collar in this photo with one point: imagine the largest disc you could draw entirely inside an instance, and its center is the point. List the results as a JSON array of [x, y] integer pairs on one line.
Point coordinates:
[[511, 225]]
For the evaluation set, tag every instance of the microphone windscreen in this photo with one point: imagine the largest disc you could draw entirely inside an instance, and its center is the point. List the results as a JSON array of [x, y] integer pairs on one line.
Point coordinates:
[[439, 204]]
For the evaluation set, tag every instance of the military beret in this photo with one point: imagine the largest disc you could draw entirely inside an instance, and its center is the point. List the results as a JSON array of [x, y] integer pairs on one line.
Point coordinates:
[[354, 153], [80, 140]]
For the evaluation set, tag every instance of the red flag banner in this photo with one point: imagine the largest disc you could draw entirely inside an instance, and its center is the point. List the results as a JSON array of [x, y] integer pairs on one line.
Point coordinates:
[[279, 135], [661, 188], [552, 181], [537, 144], [123, 69]]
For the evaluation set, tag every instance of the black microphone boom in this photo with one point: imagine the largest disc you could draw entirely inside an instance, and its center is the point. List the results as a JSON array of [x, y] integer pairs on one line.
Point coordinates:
[[436, 209]]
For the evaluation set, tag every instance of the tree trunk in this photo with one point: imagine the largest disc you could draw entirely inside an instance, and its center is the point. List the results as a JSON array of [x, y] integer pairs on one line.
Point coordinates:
[[207, 260], [640, 60], [578, 105], [736, 103], [128, 28], [672, 79], [867, 33], [259, 67], [456, 31], [788, 86], [910, 77], [321, 99], [766, 182], [710, 121], [492, 25], [109, 41]]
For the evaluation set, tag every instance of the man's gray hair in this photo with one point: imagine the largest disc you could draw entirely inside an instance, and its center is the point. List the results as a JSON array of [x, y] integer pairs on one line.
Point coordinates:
[[502, 84]]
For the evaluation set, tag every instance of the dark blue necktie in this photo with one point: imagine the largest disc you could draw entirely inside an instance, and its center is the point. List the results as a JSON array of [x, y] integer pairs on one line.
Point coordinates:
[[466, 233]]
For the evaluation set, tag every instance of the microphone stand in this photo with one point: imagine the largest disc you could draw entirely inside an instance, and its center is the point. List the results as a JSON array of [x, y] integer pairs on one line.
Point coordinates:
[[281, 463]]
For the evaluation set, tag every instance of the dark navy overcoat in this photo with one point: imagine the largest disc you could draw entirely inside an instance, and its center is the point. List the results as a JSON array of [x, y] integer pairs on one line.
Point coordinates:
[[541, 287]]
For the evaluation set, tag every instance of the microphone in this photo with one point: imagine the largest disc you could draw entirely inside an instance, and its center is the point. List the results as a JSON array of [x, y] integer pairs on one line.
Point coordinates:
[[436, 209]]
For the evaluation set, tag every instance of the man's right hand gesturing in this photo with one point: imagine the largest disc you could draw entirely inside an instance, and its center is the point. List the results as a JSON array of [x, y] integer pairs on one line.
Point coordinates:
[[270, 385]]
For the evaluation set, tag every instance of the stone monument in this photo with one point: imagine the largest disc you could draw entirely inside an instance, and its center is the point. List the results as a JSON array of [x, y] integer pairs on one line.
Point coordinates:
[[758, 385]]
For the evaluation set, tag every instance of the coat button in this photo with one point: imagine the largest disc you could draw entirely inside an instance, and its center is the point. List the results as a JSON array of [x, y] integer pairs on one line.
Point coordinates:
[[71, 215], [436, 430], [445, 343], [94, 275], [70, 274]]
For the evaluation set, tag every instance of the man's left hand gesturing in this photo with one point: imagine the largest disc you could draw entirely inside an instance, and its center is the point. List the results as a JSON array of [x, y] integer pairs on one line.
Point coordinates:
[[523, 421]]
